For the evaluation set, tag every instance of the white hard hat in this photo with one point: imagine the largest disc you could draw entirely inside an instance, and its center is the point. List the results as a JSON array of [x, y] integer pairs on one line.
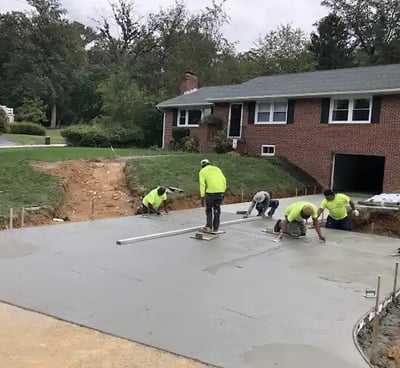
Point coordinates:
[[204, 162], [259, 197]]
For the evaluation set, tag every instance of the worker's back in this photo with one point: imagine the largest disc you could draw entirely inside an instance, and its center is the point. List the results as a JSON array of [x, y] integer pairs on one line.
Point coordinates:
[[212, 180]]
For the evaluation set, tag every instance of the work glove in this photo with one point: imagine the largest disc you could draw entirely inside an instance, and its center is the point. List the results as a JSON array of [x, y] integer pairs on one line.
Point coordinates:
[[356, 213]]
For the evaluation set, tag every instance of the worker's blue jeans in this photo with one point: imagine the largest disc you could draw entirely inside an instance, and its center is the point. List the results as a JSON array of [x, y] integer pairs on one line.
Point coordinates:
[[344, 224], [262, 206], [213, 210]]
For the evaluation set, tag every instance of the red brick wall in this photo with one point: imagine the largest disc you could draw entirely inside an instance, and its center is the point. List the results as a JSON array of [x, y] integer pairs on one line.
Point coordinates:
[[311, 145]]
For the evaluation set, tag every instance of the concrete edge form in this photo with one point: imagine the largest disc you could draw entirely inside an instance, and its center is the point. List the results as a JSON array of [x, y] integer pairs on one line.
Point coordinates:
[[368, 318], [165, 234]]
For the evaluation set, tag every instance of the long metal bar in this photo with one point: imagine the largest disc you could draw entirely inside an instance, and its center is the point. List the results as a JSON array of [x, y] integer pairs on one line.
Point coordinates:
[[396, 271], [165, 234]]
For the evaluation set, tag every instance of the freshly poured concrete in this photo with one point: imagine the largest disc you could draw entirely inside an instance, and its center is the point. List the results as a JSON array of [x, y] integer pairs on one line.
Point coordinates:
[[238, 301]]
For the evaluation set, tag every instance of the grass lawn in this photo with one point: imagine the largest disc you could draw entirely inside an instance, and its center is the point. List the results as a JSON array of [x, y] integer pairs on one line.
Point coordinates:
[[249, 174], [54, 134], [20, 185]]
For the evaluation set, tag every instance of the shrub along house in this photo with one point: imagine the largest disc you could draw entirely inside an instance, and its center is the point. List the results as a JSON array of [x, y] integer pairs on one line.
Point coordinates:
[[340, 126]]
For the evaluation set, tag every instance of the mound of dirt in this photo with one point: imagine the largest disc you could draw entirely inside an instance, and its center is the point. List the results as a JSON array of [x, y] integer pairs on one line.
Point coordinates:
[[93, 190]]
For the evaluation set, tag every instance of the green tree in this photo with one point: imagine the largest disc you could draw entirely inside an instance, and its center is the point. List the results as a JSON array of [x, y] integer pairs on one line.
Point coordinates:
[[332, 44], [32, 110], [373, 24], [284, 50]]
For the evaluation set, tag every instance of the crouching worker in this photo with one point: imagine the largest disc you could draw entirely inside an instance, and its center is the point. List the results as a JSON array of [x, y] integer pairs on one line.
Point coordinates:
[[262, 201], [153, 201], [294, 224], [336, 204]]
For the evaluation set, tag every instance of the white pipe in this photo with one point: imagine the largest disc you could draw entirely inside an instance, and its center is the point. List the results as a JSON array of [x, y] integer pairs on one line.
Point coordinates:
[[178, 232]]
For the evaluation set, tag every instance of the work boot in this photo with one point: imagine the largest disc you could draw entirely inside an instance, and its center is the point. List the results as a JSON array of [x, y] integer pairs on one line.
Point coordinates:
[[277, 227], [206, 229]]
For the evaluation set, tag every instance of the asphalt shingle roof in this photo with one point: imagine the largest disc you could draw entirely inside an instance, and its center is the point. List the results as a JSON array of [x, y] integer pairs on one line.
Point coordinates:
[[373, 79]]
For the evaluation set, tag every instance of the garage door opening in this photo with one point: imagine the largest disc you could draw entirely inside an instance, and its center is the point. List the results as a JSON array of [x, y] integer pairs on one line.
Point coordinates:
[[358, 173]]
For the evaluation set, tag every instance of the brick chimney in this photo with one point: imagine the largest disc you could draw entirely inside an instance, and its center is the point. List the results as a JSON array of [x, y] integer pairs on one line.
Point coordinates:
[[189, 83]]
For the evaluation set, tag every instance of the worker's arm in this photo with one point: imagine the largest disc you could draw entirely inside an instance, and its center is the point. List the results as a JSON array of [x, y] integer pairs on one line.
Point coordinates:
[[320, 210], [318, 229], [251, 208], [265, 207], [283, 228], [202, 181], [353, 208], [165, 206], [153, 209]]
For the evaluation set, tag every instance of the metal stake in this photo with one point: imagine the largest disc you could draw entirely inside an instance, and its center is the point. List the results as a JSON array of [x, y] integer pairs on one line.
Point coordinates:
[[315, 189], [396, 270], [11, 218], [375, 326], [296, 192], [305, 191], [242, 196]]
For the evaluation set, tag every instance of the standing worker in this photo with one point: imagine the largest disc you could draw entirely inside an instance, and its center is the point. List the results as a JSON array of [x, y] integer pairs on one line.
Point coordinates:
[[294, 224], [336, 204], [262, 200], [212, 189], [153, 201]]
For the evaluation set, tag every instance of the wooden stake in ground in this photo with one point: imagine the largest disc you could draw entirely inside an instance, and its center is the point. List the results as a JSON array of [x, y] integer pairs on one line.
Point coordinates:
[[11, 218], [375, 326], [22, 217], [396, 270]]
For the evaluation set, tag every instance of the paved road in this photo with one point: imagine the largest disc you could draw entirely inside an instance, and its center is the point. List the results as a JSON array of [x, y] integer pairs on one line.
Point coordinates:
[[6, 142], [240, 301]]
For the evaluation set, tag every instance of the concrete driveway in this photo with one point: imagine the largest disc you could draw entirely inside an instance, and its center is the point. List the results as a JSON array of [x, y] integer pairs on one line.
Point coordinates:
[[240, 301]]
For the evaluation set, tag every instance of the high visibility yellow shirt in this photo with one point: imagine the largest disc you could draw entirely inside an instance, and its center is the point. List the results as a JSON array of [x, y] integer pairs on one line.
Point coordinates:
[[212, 180], [337, 206], [293, 212], [154, 199]]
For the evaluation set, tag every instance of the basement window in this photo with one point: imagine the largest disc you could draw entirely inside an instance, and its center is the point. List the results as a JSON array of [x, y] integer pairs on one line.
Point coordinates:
[[268, 150], [351, 110]]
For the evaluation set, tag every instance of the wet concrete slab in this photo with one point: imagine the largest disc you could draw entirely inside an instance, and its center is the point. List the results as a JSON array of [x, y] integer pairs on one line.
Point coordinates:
[[241, 300]]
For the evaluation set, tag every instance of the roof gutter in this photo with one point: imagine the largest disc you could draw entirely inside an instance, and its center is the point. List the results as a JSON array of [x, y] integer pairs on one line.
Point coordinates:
[[316, 94], [205, 104]]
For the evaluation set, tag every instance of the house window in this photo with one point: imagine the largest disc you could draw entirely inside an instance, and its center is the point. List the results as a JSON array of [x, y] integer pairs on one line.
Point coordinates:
[[268, 150], [271, 112], [351, 110], [190, 117]]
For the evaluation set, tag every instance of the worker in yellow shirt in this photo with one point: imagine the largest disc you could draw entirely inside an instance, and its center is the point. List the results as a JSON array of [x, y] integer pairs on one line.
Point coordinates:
[[336, 204], [294, 224], [153, 201], [212, 189]]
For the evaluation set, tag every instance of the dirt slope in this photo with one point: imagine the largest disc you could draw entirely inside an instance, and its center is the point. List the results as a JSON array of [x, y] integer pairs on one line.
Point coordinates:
[[93, 190]]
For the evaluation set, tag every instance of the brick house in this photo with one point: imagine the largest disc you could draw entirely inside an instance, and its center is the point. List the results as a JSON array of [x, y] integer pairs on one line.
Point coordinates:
[[340, 126]]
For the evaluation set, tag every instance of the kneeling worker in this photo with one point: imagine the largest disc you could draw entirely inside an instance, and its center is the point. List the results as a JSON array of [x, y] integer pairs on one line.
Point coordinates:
[[336, 204], [262, 200], [152, 201], [294, 224]]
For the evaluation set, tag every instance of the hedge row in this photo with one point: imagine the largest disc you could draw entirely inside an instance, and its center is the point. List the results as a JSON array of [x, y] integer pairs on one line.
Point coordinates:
[[99, 136], [27, 128]]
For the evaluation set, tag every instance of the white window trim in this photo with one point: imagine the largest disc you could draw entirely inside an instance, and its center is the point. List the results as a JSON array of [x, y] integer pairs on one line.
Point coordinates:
[[351, 106], [187, 117], [267, 154], [271, 113], [229, 120]]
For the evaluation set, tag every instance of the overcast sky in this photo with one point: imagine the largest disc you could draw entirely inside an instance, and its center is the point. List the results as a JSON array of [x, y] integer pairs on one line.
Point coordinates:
[[249, 18]]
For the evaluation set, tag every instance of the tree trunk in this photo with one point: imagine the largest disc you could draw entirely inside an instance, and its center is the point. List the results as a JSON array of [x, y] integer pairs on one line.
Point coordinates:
[[53, 123]]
